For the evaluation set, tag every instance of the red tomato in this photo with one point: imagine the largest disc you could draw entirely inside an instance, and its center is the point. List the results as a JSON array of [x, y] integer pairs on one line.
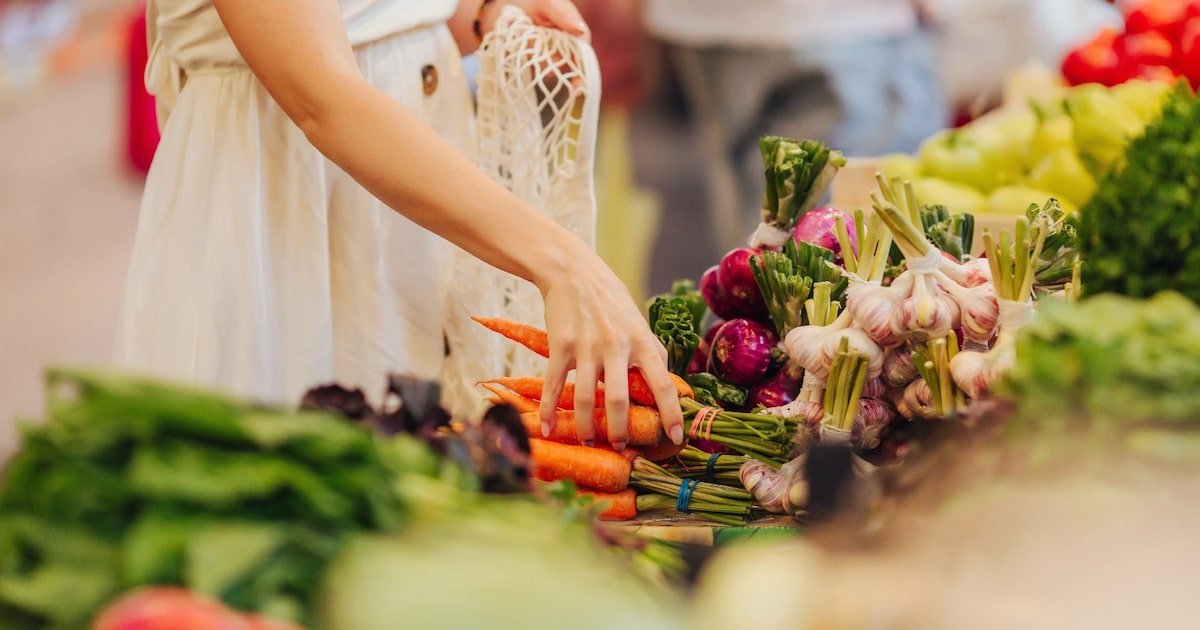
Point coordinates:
[[1146, 49], [1159, 16], [1095, 62], [167, 608]]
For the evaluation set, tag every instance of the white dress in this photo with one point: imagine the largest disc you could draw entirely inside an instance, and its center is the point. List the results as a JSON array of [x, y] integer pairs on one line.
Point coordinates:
[[259, 267]]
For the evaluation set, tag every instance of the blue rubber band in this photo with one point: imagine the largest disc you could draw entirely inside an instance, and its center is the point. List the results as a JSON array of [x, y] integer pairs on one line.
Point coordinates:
[[708, 468], [685, 494]]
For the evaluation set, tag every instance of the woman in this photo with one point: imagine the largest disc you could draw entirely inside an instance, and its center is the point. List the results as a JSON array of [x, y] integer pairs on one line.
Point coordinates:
[[310, 160]]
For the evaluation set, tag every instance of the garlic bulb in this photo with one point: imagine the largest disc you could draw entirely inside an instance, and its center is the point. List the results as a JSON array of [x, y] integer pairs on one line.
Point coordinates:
[[917, 401], [871, 306], [766, 484], [804, 344], [898, 367], [859, 342], [874, 388], [972, 373], [871, 421], [774, 489], [922, 316], [973, 273], [979, 309]]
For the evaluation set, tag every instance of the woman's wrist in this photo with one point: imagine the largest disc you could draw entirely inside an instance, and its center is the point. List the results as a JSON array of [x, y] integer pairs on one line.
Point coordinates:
[[552, 257]]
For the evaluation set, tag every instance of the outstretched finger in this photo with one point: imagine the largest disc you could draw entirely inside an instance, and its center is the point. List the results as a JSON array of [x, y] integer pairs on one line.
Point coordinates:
[[585, 399], [616, 397], [556, 376], [654, 369]]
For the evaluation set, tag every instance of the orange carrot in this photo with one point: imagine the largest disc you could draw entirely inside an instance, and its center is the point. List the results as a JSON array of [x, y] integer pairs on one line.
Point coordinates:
[[563, 433], [536, 340], [521, 403], [645, 427], [594, 468], [639, 390], [618, 506], [529, 336], [494, 400]]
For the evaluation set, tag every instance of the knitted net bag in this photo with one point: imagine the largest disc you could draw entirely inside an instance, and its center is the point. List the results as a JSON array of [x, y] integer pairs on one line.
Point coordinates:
[[538, 104]]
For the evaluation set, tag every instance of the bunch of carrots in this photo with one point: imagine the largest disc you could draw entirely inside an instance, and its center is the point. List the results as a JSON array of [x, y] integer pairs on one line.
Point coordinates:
[[598, 470]]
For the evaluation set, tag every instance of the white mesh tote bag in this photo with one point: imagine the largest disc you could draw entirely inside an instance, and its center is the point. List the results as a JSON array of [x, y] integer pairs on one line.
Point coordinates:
[[538, 105]]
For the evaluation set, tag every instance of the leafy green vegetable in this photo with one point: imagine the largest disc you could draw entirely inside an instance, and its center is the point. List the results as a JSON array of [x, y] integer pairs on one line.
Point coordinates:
[[134, 482], [716, 391], [685, 290], [1109, 363], [797, 174], [1060, 251], [951, 233], [671, 320], [1140, 233]]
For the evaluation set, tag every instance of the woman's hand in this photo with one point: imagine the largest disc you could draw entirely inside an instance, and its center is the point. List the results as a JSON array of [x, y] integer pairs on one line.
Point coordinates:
[[559, 14], [595, 328]]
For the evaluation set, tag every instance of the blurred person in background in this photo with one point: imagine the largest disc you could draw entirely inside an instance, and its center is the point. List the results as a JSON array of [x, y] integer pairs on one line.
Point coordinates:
[[860, 75]]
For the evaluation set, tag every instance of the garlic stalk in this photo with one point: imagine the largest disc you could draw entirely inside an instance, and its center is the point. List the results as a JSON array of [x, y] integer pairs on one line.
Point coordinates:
[[1014, 268], [933, 362]]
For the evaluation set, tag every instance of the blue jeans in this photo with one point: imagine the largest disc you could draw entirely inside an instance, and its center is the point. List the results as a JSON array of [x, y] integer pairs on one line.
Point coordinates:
[[865, 98]]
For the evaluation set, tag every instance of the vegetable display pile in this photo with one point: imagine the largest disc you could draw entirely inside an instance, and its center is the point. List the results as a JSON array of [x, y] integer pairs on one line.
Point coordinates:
[[856, 324], [1058, 148], [144, 505], [1141, 232]]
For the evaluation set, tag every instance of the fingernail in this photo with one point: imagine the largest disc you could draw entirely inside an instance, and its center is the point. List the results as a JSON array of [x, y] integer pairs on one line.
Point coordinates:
[[589, 442], [618, 446], [545, 429], [677, 434]]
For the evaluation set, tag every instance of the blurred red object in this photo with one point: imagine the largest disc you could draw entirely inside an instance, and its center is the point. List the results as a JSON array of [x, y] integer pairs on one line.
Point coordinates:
[[1158, 16], [173, 608], [1189, 51], [1148, 48], [1095, 62], [142, 134], [619, 44]]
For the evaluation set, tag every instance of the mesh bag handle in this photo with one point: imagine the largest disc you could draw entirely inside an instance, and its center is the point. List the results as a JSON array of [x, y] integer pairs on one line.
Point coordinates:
[[537, 114]]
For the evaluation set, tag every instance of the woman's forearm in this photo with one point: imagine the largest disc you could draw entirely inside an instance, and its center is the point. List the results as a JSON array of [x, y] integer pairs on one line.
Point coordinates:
[[408, 166]]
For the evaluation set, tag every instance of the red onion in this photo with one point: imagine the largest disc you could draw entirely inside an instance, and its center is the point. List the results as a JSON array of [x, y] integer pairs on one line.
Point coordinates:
[[741, 352], [712, 331], [817, 227], [776, 391], [699, 361], [715, 296], [737, 280]]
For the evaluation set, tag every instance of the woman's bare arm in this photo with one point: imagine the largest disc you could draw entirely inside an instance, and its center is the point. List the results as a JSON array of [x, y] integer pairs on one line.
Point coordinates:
[[300, 52]]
